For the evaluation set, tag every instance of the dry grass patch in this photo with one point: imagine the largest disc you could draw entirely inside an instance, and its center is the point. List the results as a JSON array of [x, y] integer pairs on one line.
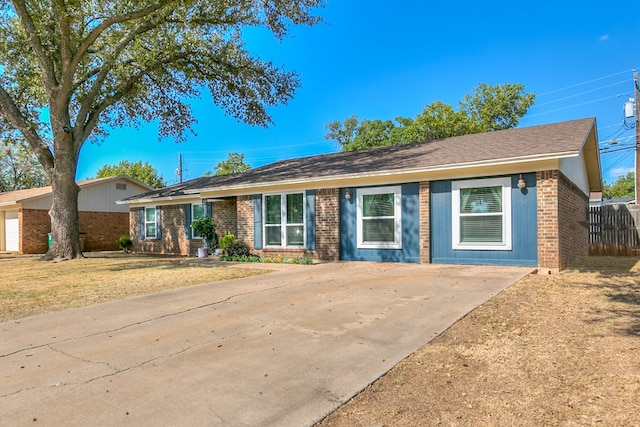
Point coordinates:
[[29, 286], [559, 350]]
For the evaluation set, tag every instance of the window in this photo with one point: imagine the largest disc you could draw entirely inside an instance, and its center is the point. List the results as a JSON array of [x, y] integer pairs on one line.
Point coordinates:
[[197, 211], [379, 217], [284, 220], [482, 214], [150, 223]]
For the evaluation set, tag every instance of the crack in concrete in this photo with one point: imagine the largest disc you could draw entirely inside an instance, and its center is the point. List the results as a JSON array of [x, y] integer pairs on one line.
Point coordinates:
[[116, 371], [142, 322]]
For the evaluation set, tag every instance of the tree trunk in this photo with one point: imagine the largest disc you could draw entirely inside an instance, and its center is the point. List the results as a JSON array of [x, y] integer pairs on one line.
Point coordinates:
[[65, 232]]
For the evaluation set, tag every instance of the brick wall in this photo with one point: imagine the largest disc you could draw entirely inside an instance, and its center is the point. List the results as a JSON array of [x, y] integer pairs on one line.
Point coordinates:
[[174, 238], [244, 224], [327, 228], [225, 217], [34, 224], [548, 233], [99, 230], [425, 225], [573, 216], [328, 224], [562, 221]]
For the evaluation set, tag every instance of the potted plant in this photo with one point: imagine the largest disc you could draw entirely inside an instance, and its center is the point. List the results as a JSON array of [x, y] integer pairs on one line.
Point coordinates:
[[206, 228]]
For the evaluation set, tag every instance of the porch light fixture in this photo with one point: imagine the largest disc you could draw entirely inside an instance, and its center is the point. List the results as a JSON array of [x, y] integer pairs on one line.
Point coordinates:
[[347, 194], [521, 183]]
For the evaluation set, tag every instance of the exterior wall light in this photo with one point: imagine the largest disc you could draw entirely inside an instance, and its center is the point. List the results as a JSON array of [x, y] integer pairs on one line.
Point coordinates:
[[521, 183], [347, 194]]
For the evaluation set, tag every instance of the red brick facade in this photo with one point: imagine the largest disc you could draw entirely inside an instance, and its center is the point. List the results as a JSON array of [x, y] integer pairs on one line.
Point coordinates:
[[327, 228], [561, 207], [574, 222], [562, 221], [174, 232], [99, 230], [425, 223]]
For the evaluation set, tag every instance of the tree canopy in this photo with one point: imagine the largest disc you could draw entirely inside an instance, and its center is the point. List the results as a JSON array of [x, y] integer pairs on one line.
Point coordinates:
[[486, 109], [234, 164], [19, 168], [72, 70], [623, 187], [142, 172]]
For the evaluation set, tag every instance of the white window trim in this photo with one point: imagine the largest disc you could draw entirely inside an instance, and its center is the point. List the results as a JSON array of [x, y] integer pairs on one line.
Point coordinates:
[[283, 221], [155, 222], [505, 183], [193, 218], [397, 190]]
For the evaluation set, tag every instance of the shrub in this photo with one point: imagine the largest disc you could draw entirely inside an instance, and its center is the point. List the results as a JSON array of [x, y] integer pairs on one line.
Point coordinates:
[[226, 240], [237, 249], [125, 243]]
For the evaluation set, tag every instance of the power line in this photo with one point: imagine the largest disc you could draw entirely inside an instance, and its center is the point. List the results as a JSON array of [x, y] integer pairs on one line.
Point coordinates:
[[583, 83]]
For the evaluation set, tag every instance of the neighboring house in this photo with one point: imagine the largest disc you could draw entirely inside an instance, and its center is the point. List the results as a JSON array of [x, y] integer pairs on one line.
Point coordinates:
[[511, 197], [25, 221]]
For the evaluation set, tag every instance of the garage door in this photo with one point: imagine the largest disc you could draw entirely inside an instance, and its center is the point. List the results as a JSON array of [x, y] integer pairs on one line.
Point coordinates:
[[11, 231]]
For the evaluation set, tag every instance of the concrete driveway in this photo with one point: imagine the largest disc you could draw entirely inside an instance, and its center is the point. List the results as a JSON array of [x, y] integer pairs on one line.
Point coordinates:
[[281, 349]]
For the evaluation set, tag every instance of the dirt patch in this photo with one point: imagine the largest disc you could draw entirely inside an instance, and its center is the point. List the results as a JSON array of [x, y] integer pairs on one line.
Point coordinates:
[[29, 287], [558, 350]]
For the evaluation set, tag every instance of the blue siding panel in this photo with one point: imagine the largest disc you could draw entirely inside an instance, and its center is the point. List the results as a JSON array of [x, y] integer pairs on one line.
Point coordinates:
[[410, 251], [257, 221], [310, 213], [187, 221], [158, 223], [142, 223], [524, 222]]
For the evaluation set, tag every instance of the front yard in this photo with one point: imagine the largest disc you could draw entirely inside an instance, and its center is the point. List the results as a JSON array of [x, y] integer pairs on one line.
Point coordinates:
[[559, 350], [29, 287]]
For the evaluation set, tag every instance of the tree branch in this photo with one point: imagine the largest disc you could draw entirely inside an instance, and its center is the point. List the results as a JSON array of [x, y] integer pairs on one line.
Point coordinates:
[[48, 69], [99, 29], [11, 113]]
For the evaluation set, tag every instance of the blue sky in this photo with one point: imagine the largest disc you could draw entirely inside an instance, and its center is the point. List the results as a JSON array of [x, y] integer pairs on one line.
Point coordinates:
[[380, 59]]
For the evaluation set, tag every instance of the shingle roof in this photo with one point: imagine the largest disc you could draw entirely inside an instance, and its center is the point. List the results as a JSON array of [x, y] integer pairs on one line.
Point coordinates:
[[548, 141], [19, 196]]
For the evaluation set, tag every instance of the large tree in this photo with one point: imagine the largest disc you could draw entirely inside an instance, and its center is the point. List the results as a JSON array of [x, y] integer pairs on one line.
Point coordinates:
[[623, 187], [19, 168], [73, 69], [486, 109], [234, 164], [142, 172]]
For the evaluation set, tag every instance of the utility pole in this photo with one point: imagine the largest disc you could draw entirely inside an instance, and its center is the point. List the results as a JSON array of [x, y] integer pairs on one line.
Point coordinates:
[[179, 169], [636, 96]]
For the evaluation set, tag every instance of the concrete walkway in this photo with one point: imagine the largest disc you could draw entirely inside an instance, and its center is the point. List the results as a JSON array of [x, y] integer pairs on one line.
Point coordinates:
[[281, 349]]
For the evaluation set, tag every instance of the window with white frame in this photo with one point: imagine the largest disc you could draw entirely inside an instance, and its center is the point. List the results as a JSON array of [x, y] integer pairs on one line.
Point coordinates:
[[379, 217], [284, 220], [150, 226], [197, 211], [481, 214]]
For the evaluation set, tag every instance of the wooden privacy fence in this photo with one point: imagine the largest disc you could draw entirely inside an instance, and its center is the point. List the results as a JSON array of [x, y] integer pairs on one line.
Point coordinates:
[[614, 230]]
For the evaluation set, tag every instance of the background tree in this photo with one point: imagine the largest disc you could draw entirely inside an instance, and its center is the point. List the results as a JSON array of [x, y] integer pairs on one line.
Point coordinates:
[[142, 172], [19, 168], [486, 109], [234, 164], [623, 187], [72, 70]]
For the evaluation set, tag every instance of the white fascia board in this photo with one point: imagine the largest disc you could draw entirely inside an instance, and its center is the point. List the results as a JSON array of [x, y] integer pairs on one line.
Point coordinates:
[[162, 201], [243, 189]]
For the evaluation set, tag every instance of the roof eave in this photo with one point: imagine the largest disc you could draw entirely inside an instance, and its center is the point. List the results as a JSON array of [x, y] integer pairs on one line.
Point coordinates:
[[408, 171]]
